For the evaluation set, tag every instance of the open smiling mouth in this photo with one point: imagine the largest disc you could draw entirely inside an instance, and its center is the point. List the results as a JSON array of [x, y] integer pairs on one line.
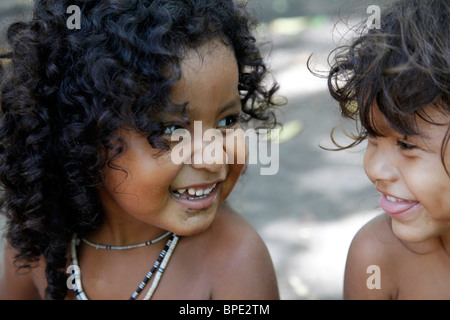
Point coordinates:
[[398, 208], [198, 197], [193, 194]]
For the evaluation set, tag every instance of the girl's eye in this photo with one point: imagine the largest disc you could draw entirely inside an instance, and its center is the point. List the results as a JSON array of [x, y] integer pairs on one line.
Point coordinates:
[[405, 145], [228, 121], [170, 129]]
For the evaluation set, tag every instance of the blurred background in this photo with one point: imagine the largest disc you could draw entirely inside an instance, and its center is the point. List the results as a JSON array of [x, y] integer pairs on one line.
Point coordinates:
[[310, 210]]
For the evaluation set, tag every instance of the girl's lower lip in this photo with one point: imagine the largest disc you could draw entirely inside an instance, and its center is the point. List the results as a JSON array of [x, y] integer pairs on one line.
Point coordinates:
[[399, 209], [200, 203]]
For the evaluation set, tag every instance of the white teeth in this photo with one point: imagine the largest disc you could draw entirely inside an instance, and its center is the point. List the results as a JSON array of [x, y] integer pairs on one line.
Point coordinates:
[[392, 199], [202, 193]]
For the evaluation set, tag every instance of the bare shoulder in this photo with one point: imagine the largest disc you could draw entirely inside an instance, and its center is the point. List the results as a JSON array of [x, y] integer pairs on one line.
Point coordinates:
[[240, 262], [375, 239], [16, 284], [372, 260]]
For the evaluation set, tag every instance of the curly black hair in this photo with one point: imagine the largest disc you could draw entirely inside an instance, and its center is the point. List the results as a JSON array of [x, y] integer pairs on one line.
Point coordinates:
[[65, 92], [404, 66]]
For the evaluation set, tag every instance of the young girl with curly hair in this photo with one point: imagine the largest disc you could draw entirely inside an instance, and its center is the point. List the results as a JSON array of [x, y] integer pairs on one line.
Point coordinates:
[[93, 201], [394, 83]]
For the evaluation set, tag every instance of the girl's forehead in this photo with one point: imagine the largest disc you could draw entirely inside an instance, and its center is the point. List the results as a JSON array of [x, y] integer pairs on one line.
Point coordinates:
[[378, 121], [425, 122], [211, 64], [209, 80], [210, 53], [379, 124]]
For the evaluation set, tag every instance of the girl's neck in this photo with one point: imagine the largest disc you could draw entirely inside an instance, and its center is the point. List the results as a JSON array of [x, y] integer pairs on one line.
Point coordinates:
[[124, 232], [432, 245]]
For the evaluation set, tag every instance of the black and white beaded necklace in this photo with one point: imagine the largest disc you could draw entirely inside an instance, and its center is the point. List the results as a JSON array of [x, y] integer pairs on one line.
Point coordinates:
[[159, 264], [107, 247]]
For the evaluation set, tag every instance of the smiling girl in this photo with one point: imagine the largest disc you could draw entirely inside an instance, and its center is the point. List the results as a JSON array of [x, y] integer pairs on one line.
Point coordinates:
[[398, 77], [90, 187]]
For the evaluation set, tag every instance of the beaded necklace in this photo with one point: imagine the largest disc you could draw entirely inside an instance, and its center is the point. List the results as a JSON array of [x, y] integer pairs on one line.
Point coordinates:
[[100, 246], [160, 264]]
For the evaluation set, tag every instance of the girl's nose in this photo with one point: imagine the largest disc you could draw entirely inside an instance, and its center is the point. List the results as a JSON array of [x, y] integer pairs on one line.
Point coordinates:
[[380, 164], [209, 151]]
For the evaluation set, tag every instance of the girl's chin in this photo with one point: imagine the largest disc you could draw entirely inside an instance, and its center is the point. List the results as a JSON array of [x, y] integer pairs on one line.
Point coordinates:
[[410, 233], [192, 228], [190, 221]]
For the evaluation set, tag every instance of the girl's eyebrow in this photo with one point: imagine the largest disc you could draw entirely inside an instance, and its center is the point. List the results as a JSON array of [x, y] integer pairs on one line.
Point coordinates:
[[236, 102]]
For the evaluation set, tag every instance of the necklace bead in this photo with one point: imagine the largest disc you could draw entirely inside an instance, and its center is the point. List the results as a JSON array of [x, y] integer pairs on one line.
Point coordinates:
[[107, 247], [160, 264]]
